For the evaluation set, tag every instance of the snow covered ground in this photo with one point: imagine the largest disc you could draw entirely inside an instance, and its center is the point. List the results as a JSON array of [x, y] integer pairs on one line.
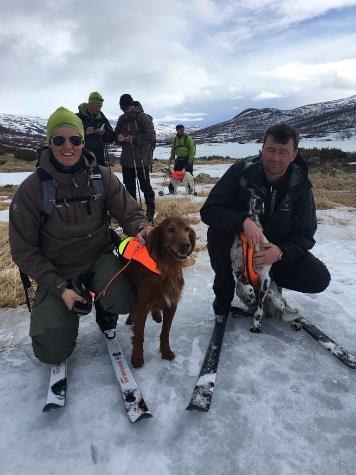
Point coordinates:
[[282, 404]]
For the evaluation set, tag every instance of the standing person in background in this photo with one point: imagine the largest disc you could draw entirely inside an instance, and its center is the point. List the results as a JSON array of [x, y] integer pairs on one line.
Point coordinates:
[[135, 133], [182, 153], [98, 131], [139, 108]]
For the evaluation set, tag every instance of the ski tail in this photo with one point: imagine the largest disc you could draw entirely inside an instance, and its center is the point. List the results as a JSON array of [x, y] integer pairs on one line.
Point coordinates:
[[57, 388], [204, 388], [134, 402], [325, 341]]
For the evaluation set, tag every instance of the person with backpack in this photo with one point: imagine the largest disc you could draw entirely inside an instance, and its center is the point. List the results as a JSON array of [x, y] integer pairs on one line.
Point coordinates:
[[279, 176], [135, 133], [182, 153], [97, 128], [59, 235], [138, 108]]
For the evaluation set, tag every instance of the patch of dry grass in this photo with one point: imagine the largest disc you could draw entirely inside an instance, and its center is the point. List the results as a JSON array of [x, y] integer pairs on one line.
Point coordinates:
[[11, 164], [334, 189], [178, 207], [11, 290]]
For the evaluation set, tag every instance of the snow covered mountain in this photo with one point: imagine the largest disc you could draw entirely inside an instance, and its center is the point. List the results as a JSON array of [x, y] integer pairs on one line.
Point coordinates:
[[332, 119], [28, 131], [329, 120]]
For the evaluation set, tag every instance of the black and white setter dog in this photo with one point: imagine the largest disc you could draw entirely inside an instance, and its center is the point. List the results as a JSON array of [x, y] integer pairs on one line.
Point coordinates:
[[266, 294]]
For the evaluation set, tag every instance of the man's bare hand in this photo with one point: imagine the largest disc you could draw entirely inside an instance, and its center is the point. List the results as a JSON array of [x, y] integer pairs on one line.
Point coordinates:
[[253, 233], [69, 297], [142, 235], [267, 256], [124, 138]]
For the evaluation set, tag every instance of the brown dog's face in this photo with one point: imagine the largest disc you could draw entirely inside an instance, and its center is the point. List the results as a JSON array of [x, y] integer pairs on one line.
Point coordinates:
[[177, 237]]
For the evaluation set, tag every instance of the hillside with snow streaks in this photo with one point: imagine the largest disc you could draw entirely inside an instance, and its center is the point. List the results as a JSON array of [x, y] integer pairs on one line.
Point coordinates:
[[28, 131], [332, 119]]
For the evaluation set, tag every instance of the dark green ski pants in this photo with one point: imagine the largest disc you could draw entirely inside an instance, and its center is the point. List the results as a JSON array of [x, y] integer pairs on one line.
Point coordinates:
[[54, 329]]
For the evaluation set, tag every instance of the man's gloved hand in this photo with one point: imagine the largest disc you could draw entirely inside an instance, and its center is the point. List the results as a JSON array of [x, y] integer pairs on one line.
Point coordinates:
[[82, 307]]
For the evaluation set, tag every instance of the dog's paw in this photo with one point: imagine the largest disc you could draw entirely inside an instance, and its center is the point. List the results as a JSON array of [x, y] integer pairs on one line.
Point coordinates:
[[256, 329], [168, 355], [157, 317], [137, 361], [296, 326]]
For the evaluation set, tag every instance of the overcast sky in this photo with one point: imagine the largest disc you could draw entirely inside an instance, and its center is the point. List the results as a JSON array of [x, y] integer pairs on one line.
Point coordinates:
[[197, 60]]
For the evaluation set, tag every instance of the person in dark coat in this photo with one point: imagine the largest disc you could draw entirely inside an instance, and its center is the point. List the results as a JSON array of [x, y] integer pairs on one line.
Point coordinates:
[[135, 133], [280, 177], [97, 128]]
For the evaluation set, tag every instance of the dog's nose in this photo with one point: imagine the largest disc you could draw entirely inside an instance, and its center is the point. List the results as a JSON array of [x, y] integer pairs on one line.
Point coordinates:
[[184, 247]]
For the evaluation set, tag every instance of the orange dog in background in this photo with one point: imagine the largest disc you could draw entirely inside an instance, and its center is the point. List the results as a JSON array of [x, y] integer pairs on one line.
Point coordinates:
[[169, 244]]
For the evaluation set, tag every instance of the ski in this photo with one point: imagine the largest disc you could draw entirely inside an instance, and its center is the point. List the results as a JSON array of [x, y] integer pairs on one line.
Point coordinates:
[[56, 396], [133, 399], [326, 342], [203, 390]]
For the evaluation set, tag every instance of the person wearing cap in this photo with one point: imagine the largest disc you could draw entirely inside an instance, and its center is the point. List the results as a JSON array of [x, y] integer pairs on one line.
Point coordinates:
[[135, 133], [182, 154], [97, 128], [57, 241]]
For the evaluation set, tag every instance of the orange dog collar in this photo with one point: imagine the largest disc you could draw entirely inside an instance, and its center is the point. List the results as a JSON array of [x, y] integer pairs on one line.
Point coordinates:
[[248, 272]]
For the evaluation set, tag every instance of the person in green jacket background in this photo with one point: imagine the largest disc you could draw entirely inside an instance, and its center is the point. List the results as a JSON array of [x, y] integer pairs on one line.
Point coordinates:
[[182, 152]]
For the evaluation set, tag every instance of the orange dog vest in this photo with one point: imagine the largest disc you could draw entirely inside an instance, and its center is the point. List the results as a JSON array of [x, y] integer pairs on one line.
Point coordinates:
[[248, 271], [130, 248], [178, 175]]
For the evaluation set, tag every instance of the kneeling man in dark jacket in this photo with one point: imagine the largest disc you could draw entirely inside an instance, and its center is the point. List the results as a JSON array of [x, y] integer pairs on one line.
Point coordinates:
[[280, 177]]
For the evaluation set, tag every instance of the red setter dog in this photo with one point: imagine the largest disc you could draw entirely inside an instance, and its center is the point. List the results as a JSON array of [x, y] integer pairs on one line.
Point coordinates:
[[169, 244]]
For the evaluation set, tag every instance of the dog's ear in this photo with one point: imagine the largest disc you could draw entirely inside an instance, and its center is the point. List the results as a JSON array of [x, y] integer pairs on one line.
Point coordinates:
[[192, 239], [153, 241]]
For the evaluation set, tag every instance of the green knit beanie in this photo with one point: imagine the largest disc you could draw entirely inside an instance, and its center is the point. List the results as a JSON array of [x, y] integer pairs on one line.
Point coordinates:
[[63, 117], [95, 98]]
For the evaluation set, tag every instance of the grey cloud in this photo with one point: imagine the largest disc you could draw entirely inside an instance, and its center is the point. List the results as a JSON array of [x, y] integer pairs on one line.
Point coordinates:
[[176, 57]]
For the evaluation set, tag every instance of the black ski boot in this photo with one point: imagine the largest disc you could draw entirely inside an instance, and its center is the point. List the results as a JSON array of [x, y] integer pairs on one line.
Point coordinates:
[[221, 310], [107, 321], [78, 284]]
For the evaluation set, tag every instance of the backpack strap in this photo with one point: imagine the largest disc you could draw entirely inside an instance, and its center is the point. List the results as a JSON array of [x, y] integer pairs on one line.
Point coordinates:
[[49, 191], [97, 182]]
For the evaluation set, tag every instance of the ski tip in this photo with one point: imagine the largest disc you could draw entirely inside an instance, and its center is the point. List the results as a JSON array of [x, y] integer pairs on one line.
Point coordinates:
[[50, 406], [144, 415]]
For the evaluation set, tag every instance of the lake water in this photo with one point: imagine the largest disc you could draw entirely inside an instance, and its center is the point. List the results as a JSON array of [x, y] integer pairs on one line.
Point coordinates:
[[236, 150]]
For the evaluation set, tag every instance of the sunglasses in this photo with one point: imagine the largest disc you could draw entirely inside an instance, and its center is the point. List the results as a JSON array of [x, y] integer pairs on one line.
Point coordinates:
[[59, 140]]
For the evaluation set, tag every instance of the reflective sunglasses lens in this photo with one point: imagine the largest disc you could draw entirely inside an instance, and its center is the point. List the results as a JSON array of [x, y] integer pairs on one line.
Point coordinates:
[[75, 140], [59, 140]]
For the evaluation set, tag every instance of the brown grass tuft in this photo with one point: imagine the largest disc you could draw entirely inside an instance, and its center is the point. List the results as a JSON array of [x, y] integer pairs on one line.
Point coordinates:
[[334, 189], [11, 290], [178, 207]]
